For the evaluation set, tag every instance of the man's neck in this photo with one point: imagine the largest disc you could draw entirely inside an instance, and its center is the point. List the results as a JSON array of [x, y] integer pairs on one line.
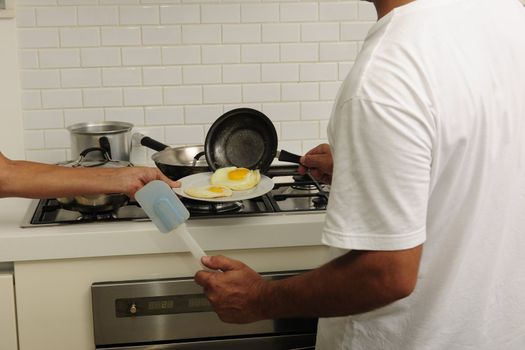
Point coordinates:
[[385, 6]]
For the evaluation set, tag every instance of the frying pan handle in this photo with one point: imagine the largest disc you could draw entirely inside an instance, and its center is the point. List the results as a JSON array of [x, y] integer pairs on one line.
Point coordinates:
[[149, 142], [286, 156]]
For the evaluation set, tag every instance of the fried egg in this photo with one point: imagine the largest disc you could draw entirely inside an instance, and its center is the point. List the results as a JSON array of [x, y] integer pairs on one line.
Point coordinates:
[[213, 191], [237, 179]]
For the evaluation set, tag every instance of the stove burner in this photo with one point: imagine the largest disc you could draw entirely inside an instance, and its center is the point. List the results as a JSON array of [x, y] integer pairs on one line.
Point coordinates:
[[108, 215], [211, 207], [303, 182], [320, 201]]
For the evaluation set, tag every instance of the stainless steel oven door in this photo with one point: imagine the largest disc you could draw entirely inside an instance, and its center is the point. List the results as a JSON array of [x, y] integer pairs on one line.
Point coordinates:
[[175, 314]]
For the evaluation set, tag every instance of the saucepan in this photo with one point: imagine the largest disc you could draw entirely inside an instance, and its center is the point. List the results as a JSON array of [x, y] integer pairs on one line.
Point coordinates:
[[95, 203], [175, 162], [244, 137]]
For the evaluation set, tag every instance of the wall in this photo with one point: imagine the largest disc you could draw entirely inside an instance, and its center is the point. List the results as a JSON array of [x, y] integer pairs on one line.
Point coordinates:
[[172, 67]]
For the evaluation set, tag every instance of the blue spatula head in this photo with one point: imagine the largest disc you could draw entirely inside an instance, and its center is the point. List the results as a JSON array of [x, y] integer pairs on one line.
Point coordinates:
[[162, 205]]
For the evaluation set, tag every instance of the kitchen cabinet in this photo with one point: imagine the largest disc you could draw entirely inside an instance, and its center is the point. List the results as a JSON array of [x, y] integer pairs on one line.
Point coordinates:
[[54, 296], [8, 337]]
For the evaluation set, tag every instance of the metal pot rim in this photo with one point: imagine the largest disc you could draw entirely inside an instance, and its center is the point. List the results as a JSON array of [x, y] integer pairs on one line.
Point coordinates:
[[98, 128]]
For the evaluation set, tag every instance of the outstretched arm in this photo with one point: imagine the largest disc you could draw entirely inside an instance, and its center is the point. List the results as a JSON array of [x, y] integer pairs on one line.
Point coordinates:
[[37, 180]]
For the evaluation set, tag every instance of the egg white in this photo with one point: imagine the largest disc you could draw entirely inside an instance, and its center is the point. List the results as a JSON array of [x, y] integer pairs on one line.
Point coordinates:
[[213, 191], [237, 179]]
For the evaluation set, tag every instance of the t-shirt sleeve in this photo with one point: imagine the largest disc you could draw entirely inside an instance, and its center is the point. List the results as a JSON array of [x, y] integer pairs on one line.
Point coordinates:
[[382, 161]]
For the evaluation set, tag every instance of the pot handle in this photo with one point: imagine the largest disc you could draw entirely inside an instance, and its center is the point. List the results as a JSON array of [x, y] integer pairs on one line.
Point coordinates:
[[104, 143], [149, 142]]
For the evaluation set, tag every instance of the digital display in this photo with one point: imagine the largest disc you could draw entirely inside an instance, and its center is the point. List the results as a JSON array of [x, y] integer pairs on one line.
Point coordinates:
[[162, 305]]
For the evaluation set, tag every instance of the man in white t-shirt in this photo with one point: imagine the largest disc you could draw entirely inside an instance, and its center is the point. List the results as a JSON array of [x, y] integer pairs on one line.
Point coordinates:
[[427, 202]]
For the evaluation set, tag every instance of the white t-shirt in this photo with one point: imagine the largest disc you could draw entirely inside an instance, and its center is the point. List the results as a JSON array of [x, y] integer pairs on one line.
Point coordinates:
[[428, 139]]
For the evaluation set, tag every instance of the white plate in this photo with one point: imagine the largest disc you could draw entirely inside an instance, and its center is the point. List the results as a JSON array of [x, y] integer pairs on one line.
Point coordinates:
[[203, 179]]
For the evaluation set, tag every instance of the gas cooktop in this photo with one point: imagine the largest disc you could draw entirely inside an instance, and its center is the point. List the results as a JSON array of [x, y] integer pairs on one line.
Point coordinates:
[[292, 194]]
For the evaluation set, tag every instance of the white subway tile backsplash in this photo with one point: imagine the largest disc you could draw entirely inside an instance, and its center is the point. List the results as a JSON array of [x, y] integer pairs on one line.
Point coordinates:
[[278, 72], [241, 33], [35, 79], [121, 36], [212, 54], [134, 116], [320, 31], [261, 92], [78, 78], [121, 76], [61, 98], [299, 12], [300, 52], [282, 111], [316, 110], [281, 33], [223, 13], [323, 127], [161, 35], [59, 58], [162, 75], [241, 73], [260, 53], [355, 30], [100, 57], [259, 13], [178, 14], [181, 55], [43, 119], [139, 15], [34, 139], [102, 97], [300, 91], [299, 130], [143, 96], [164, 115], [79, 37], [338, 11], [141, 56], [74, 116], [56, 16], [222, 94], [28, 59], [205, 114], [57, 138], [318, 71], [183, 95], [201, 74], [172, 67], [97, 15], [184, 135], [201, 33], [31, 99], [38, 38]]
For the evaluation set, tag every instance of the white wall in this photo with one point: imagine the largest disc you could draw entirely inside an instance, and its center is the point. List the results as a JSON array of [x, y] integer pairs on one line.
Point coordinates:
[[11, 136], [173, 67]]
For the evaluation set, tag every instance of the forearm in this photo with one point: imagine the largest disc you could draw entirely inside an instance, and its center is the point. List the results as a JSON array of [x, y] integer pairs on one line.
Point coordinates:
[[36, 180], [354, 283]]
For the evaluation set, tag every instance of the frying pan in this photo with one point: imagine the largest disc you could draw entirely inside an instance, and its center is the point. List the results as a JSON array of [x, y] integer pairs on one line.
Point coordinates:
[[246, 138], [176, 162]]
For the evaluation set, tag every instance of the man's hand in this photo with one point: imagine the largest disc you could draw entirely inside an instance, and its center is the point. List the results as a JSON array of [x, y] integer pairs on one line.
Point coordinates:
[[133, 179], [320, 163], [235, 293]]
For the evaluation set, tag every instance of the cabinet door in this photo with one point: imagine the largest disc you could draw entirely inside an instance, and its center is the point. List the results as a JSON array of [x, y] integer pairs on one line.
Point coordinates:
[[8, 339]]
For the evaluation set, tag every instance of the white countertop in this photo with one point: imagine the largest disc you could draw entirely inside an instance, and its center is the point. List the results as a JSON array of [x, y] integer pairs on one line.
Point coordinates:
[[130, 238]]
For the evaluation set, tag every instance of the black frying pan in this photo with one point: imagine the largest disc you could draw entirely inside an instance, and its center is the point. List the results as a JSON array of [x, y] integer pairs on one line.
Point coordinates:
[[246, 138]]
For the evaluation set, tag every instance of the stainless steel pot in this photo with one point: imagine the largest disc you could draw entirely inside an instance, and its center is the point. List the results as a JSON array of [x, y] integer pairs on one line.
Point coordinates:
[[95, 203], [112, 136]]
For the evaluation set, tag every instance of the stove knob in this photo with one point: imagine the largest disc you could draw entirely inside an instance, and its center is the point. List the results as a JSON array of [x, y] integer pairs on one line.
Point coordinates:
[[133, 309]]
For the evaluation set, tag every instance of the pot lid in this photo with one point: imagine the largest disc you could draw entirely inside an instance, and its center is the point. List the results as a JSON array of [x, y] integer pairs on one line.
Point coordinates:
[[105, 162]]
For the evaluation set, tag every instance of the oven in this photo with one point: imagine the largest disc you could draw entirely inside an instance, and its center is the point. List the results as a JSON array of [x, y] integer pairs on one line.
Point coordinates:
[[174, 314]]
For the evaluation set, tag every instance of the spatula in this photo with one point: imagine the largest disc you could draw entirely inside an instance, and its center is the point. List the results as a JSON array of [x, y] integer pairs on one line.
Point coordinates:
[[167, 212]]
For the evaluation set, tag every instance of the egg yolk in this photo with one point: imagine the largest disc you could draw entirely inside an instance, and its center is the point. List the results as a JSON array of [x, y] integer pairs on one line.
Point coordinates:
[[216, 189], [238, 174]]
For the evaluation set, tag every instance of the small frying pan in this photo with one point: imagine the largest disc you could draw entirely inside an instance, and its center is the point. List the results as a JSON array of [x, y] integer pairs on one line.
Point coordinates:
[[246, 138]]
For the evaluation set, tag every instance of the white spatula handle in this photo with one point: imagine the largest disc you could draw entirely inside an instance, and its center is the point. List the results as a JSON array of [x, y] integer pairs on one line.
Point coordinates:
[[192, 245]]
